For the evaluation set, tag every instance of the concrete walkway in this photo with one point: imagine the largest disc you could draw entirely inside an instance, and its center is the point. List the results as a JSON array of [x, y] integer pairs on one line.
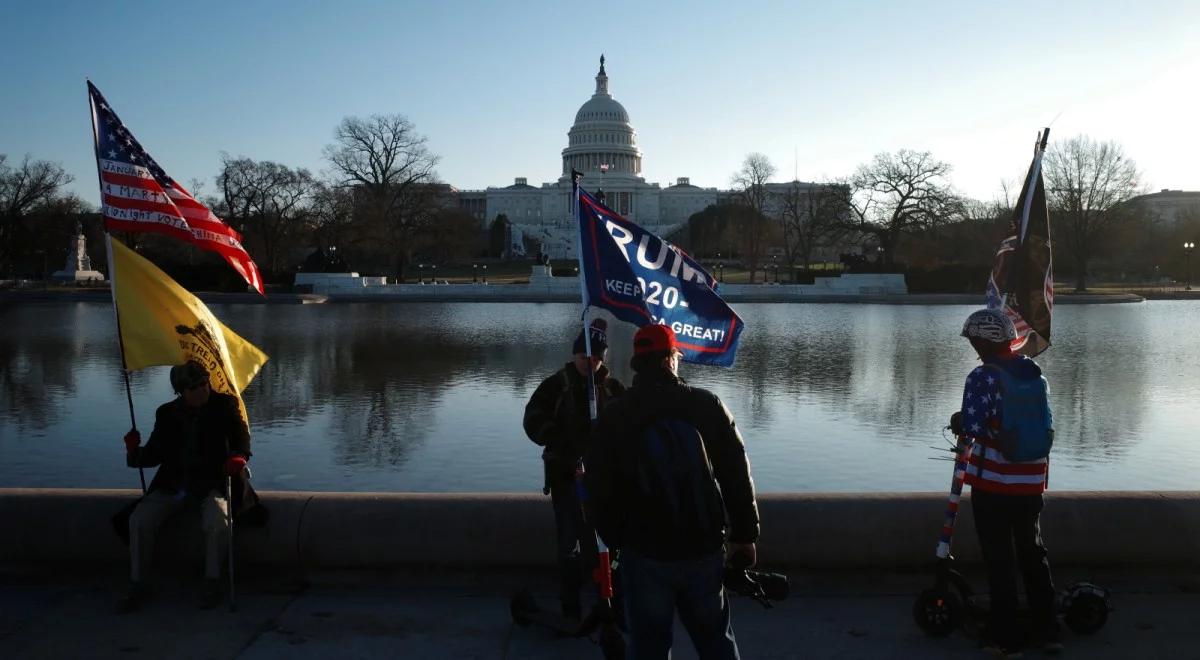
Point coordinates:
[[432, 614]]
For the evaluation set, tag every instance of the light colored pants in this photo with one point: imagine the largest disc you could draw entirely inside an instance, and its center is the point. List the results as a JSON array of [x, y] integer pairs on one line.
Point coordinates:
[[155, 508]]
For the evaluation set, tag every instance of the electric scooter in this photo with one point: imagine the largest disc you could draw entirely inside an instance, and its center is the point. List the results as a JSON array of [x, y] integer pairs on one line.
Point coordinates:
[[603, 619], [951, 603]]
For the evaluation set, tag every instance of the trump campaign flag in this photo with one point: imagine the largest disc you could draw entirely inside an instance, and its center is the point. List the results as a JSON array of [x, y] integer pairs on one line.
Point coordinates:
[[137, 195], [1022, 279], [161, 323], [640, 278]]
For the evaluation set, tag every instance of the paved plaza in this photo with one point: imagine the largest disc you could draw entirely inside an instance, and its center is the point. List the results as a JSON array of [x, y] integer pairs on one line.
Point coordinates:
[[435, 614]]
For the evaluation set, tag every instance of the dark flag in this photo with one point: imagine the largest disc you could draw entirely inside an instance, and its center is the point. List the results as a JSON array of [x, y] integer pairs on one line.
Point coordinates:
[[137, 195], [642, 279], [1022, 280]]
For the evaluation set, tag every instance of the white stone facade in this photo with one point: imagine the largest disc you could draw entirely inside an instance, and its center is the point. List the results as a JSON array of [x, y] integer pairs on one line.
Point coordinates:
[[601, 144], [1169, 206]]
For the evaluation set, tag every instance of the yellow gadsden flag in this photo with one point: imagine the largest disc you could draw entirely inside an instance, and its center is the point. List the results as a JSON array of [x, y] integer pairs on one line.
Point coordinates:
[[163, 324]]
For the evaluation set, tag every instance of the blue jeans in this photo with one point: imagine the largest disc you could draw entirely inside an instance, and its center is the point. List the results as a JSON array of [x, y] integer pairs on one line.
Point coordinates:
[[654, 590]]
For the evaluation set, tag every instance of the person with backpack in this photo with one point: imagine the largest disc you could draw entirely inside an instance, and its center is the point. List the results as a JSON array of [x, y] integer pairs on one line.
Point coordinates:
[[1006, 416], [666, 471], [558, 418]]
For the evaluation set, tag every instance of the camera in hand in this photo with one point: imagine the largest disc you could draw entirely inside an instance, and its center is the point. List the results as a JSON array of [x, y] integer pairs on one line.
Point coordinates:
[[762, 586]]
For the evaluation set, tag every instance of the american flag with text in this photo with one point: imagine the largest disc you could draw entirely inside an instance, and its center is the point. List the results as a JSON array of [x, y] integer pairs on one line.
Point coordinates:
[[138, 196]]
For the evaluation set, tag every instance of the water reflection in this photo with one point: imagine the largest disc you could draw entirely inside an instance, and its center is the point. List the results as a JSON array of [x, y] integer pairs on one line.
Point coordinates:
[[429, 397]]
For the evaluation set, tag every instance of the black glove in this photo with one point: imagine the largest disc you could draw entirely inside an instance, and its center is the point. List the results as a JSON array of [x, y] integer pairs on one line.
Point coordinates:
[[956, 423], [548, 434]]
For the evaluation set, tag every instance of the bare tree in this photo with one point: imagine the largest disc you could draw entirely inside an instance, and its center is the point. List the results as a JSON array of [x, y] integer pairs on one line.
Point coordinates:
[[268, 202], [898, 194], [1087, 184], [750, 187], [390, 166], [813, 216], [332, 211], [453, 234], [24, 188]]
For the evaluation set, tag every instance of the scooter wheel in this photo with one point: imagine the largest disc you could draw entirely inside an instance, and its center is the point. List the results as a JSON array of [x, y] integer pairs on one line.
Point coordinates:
[[937, 612], [1086, 614], [521, 606], [612, 644]]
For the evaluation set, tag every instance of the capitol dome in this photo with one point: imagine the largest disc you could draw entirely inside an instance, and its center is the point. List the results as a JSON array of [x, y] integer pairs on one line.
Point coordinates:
[[601, 108], [602, 135]]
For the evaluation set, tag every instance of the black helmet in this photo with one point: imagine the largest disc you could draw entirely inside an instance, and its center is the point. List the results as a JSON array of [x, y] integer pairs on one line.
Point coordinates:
[[188, 375]]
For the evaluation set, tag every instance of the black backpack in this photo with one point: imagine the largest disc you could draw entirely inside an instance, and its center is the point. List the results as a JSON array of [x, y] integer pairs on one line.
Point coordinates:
[[673, 489]]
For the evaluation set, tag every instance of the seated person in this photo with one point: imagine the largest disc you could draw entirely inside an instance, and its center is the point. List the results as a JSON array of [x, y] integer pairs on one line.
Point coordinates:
[[199, 438]]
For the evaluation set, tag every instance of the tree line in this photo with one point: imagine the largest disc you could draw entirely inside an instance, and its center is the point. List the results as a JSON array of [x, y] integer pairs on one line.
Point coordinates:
[[901, 212], [378, 206]]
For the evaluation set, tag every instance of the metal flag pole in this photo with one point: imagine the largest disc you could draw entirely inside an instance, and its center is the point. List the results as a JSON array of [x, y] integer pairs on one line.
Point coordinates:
[[610, 637], [1035, 171], [229, 519], [112, 277], [583, 293]]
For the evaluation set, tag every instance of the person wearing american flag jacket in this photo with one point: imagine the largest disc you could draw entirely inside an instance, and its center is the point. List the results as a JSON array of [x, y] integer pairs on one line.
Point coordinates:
[[1006, 495]]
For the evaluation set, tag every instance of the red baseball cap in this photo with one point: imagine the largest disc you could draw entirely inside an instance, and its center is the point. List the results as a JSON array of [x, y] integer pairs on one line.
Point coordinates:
[[654, 338]]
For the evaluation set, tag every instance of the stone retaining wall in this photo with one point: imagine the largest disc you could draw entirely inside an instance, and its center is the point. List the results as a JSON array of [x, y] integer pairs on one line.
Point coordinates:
[[360, 530]]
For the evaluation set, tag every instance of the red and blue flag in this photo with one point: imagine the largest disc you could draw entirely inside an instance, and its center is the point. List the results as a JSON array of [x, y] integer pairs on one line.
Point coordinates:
[[641, 279]]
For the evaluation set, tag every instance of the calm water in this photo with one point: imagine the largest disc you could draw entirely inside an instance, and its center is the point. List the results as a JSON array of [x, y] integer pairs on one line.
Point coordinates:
[[429, 397]]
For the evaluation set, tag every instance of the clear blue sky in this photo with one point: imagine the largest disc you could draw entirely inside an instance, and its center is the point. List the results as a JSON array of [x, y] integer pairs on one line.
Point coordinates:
[[817, 87]]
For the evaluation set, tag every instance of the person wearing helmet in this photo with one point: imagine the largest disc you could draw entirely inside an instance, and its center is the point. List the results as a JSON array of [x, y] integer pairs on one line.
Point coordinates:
[[1007, 480], [198, 439]]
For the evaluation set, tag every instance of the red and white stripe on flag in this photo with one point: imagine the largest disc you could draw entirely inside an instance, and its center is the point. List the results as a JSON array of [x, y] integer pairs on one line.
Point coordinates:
[[137, 195], [133, 201]]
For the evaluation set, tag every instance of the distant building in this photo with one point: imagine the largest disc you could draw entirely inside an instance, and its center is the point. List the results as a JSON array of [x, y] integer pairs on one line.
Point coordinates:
[[1170, 206], [601, 144]]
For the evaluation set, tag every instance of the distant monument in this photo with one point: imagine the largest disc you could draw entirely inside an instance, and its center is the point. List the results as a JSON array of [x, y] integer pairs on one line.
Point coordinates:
[[516, 242], [79, 264]]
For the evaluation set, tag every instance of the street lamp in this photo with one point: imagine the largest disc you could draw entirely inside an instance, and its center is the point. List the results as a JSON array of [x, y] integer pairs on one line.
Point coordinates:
[[1187, 257], [433, 273], [775, 265], [485, 273], [474, 273], [420, 273]]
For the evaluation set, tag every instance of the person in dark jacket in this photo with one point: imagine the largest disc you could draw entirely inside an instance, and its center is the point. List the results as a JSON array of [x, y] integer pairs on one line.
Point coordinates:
[[558, 417], [672, 540], [199, 438]]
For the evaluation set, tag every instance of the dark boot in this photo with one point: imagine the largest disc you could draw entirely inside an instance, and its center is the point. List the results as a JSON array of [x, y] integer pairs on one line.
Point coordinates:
[[210, 594], [132, 598]]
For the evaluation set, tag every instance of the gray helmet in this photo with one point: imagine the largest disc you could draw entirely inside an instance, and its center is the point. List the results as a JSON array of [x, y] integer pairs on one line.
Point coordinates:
[[991, 325], [188, 375]]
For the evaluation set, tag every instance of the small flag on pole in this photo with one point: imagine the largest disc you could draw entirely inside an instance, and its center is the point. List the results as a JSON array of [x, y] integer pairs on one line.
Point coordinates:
[[641, 278], [138, 196], [161, 323], [1022, 278]]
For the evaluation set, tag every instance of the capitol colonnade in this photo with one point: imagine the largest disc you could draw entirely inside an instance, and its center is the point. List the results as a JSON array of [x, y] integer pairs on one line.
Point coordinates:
[[602, 144]]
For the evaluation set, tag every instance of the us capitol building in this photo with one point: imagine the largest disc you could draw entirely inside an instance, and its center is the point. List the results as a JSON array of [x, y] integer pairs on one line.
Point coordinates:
[[603, 146]]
